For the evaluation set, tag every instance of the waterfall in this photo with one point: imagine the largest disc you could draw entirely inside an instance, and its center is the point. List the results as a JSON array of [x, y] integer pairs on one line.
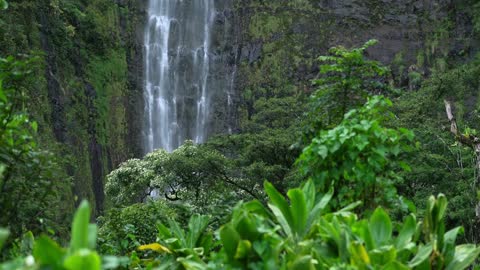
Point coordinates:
[[177, 93]]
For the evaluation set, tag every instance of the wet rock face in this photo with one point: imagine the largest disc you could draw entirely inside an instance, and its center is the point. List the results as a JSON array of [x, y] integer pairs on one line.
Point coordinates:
[[407, 30]]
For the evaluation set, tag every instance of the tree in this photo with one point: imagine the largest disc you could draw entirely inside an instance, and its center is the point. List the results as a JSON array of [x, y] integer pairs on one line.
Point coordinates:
[[192, 173], [345, 82]]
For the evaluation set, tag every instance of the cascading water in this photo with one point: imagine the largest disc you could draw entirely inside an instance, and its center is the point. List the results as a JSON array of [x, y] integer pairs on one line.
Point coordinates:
[[177, 72]]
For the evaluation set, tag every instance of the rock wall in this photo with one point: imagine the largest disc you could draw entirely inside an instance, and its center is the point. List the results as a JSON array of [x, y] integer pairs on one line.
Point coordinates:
[[279, 40], [86, 91]]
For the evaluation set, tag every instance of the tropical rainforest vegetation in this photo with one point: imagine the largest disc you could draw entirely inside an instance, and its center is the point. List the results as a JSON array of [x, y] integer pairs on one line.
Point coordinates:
[[360, 171]]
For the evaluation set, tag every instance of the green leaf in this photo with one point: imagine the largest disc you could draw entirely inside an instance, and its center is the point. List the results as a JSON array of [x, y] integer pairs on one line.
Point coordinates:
[[298, 210], [48, 253], [322, 151], [83, 259], [309, 191], [316, 211], [279, 207], [196, 226], [449, 240], [380, 227], [80, 228], [442, 206], [230, 240], [3, 4], [465, 255], [422, 255], [406, 233]]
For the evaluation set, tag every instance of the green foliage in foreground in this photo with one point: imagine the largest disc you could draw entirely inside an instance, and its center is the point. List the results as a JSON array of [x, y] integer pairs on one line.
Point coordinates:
[[298, 233]]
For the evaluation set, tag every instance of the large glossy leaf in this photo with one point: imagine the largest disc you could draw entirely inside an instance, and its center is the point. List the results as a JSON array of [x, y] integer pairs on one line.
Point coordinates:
[[406, 233], [83, 259], [465, 255], [230, 240], [380, 227], [196, 226], [48, 254], [279, 207], [422, 255], [449, 240], [298, 210], [178, 233], [319, 207], [80, 228], [310, 192]]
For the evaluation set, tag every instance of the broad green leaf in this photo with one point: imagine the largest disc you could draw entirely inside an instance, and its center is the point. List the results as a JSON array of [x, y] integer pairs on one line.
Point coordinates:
[[383, 255], [83, 259], [448, 248], [48, 253], [465, 255], [380, 227], [3, 4], [178, 233], [298, 210], [279, 207], [406, 233], [316, 211], [230, 240], [281, 219], [422, 255], [196, 227], [80, 228], [163, 231], [442, 206], [309, 191]]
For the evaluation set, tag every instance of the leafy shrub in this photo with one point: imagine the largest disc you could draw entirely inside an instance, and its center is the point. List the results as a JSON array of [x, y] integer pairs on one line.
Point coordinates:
[[359, 158], [123, 229]]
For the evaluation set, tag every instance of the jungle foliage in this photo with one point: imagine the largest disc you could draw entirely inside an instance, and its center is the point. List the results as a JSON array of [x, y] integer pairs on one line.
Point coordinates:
[[326, 176]]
